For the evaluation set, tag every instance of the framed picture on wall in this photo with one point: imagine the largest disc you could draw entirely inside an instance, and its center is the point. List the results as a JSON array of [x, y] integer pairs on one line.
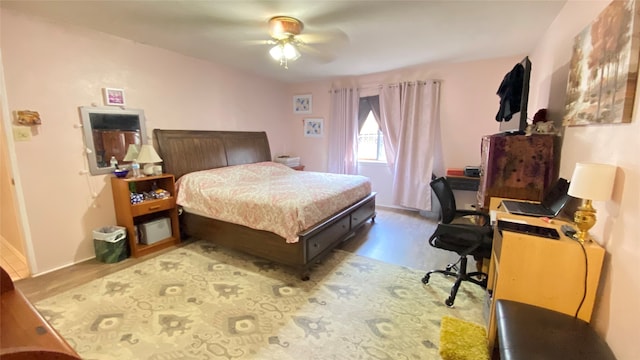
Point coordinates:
[[604, 68], [113, 96], [313, 127], [302, 104]]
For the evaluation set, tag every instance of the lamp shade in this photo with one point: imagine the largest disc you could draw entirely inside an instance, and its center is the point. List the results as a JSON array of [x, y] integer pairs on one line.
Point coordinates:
[[132, 153], [284, 50], [592, 181], [276, 52], [148, 155], [290, 52]]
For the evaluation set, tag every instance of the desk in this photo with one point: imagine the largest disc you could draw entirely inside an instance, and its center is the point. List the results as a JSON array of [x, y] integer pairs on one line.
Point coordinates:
[[538, 271], [463, 182]]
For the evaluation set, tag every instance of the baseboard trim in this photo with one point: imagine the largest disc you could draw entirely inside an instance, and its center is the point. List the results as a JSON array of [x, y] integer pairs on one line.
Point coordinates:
[[63, 266], [18, 254]]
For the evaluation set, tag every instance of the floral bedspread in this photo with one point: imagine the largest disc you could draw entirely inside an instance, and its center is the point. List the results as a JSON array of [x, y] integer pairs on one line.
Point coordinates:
[[269, 196]]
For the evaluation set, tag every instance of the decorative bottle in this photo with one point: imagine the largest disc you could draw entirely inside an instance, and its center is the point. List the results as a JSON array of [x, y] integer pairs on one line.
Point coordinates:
[[113, 162], [135, 168]]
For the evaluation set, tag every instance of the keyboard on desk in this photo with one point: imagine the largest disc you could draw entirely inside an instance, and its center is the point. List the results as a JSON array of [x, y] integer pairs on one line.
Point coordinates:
[[534, 230]]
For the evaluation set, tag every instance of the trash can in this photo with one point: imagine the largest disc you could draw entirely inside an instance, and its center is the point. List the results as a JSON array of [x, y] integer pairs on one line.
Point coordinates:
[[110, 244]]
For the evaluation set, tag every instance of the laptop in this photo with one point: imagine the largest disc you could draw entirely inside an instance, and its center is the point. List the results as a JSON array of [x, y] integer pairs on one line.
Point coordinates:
[[550, 206]]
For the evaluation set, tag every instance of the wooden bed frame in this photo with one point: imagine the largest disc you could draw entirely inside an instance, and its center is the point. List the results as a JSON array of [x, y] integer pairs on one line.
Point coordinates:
[[185, 151]]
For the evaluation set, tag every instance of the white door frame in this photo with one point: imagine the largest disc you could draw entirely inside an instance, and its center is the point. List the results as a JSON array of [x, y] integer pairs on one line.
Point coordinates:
[[20, 203]]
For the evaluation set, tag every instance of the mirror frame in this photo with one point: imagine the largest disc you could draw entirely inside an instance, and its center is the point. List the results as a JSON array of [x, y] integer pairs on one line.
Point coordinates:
[[85, 116]]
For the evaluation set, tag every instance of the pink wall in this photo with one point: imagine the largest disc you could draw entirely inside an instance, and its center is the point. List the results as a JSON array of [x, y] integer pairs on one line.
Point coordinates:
[[55, 69], [617, 313], [468, 105]]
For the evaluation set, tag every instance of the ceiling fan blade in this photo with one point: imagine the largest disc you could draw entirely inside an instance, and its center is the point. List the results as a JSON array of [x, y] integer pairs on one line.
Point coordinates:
[[317, 53], [257, 42], [333, 36]]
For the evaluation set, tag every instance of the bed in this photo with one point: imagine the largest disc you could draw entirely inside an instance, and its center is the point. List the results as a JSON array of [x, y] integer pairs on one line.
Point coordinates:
[[188, 151]]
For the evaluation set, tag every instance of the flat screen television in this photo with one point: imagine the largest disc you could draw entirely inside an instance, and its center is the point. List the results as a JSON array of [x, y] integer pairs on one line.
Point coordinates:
[[514, 95]]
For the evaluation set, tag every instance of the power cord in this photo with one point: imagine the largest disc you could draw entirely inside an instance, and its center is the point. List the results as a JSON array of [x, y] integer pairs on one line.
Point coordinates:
[[570, 232]]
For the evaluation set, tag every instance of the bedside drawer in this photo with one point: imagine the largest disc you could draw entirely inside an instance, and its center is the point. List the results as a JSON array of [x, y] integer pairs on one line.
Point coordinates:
[[322, 241], [151, 206]]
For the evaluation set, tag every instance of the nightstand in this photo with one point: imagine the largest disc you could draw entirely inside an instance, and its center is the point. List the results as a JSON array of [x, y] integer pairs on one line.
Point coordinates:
[[132, 215]]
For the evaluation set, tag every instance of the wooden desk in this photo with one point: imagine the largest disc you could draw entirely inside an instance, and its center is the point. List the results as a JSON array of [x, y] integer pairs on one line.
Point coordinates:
[[539, 271]]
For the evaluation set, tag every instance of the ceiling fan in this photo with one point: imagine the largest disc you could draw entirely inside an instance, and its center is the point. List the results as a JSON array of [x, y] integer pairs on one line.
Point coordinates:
[[283, 30], [289, 42]]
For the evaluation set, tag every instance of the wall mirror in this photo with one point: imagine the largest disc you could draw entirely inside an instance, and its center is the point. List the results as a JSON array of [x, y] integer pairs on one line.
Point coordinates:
[[109, 132]]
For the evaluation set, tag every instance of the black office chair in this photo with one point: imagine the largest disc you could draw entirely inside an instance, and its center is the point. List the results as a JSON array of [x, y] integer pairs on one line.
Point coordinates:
[[466, 232]]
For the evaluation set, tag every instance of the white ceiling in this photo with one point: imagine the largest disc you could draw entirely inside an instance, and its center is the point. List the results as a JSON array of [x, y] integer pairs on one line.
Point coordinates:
[[345, 37]]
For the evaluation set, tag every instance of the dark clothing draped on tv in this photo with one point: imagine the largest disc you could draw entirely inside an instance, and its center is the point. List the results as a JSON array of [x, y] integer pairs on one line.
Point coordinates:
[[510, 93]]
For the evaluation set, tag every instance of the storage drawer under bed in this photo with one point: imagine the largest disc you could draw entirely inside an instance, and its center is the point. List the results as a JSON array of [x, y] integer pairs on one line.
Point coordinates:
[[363, 213], [323, 240]]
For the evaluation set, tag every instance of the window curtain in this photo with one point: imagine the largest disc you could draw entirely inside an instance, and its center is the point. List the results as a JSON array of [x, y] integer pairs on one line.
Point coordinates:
[[409, 117], [343, 132]]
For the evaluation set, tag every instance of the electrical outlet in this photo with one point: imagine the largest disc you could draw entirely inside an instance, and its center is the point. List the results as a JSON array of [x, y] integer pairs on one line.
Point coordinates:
[[21, 133]]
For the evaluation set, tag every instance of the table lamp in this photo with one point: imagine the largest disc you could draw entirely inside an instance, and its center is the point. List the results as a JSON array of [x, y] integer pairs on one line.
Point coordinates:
[[590, 182], [132, 153], [148, 156]]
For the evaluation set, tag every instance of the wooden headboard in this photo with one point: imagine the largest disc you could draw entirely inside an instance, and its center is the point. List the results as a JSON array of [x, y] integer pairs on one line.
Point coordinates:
[[185, 151]]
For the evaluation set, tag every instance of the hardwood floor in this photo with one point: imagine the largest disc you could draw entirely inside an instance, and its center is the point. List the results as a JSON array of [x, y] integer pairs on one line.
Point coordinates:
[[397, 237], [12, 261]]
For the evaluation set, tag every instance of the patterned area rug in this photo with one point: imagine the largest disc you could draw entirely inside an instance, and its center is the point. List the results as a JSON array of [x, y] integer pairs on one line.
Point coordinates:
[[204, 302]]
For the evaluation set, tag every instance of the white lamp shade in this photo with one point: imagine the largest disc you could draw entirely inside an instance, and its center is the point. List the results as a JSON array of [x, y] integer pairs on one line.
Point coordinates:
[[276, 52], [148, 155], [132, 153], [284, 50], [290, 51], [592, 181]]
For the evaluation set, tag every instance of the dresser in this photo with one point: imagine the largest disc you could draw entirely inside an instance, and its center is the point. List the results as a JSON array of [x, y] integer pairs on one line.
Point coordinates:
[[516, 167]]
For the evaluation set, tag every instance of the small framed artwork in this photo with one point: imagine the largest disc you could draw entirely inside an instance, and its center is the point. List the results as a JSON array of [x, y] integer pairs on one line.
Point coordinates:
[[302, 104], [113, 96], [313, 127]]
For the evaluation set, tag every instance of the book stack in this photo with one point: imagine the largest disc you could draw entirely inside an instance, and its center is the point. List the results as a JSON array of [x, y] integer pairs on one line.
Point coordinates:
[[455, 172], [290, 161]]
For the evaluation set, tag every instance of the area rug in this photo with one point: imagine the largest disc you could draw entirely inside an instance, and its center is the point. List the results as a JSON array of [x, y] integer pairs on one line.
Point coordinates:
[[204, 302], [462, 340]]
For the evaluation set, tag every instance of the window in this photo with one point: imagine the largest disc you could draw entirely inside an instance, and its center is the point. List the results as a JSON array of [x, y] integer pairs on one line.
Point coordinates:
[[370, 141]]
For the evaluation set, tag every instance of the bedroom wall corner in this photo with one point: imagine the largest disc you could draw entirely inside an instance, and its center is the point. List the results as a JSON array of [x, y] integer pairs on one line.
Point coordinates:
[[54, 69]]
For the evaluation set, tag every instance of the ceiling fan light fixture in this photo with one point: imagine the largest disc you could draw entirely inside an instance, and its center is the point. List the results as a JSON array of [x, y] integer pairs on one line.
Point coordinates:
[[282, 27], [284, 51], [283, 30], [290, 52], [277, 52]]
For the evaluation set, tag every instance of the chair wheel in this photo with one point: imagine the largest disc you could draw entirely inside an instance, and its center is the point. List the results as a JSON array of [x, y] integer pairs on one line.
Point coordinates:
[[425, 279], [449, 302]]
